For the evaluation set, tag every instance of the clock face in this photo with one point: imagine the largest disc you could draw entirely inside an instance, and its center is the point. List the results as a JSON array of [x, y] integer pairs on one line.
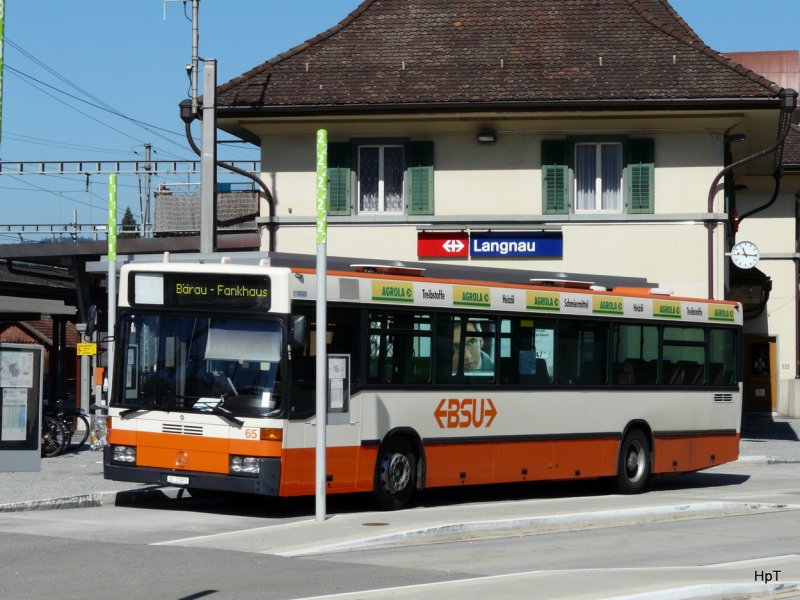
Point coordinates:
[[745, 255]]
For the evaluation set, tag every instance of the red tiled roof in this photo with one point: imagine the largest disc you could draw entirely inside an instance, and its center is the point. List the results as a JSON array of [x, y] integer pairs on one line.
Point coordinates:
[[412, 53], [40, 330]]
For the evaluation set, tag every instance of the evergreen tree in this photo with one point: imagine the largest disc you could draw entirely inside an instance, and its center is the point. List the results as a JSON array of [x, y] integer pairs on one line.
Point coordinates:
[[129, 228]]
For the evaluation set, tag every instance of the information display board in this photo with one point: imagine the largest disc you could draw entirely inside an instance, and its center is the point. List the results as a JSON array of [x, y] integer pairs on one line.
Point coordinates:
[[338, 389], [21, 374]]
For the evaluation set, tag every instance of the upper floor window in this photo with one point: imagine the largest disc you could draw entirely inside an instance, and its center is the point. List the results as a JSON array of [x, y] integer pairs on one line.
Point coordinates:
[[598, 176], [380, 178]]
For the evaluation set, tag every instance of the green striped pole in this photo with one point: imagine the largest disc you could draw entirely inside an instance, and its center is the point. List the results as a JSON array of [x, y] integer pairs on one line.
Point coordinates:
[[322, 187], [112, 217], [112, 276], [322, 320]]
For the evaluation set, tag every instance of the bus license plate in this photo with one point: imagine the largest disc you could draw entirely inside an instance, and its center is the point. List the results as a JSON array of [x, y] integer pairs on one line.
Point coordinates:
[[177, 480]]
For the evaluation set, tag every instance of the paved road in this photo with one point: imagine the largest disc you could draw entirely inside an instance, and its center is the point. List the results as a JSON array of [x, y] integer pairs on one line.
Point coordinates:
[[714, 530], [697, 535]]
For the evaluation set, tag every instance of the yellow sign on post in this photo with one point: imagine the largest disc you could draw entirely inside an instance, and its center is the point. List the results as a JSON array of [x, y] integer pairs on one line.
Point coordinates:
[[87, 349]]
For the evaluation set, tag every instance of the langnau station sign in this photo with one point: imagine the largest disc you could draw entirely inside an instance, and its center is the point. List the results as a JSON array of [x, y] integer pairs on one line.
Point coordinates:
[[516, 245], [460, 244]]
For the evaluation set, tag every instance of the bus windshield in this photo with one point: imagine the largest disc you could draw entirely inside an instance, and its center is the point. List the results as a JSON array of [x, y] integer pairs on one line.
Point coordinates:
[[205, 364]]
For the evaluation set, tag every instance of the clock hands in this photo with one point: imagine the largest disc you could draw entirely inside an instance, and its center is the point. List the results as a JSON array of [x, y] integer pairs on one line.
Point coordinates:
[[744, 255]]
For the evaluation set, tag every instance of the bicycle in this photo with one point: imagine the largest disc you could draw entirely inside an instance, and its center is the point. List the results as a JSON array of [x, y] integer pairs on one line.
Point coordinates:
[[75, 424], [54, 436]]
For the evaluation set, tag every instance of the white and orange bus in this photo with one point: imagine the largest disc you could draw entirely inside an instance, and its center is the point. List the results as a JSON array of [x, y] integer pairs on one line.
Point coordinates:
[[441, 376]]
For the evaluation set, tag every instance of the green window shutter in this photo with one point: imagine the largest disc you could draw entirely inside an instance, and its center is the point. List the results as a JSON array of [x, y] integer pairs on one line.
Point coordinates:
[[641, 176], [555, 177], [339, 175], [419, 178]]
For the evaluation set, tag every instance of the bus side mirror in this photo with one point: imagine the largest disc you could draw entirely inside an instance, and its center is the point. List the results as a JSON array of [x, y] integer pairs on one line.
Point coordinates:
[[91, 322], [299, 332]]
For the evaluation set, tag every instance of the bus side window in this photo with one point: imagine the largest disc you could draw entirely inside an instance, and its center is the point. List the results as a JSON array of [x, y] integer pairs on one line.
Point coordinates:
[[583, 352], [622, 373], [693, 373], [528, 343], [715, 373], [634, 352]]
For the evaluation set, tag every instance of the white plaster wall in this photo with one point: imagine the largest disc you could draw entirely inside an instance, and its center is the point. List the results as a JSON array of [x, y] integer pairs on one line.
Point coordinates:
[[504, 178], [487, 179], [686, 164]]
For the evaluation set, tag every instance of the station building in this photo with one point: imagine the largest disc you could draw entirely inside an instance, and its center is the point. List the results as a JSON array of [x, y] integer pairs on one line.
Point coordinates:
[[592, 137]]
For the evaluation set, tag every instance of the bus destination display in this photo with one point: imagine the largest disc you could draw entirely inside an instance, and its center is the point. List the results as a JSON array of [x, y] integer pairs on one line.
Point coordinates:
[[219, 291], [189, 290]]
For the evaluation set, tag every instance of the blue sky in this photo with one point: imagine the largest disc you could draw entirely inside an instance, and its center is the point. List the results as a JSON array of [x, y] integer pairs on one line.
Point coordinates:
[[129, 56]]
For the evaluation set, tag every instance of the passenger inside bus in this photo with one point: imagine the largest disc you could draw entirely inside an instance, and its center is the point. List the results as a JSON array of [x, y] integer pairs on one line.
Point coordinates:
[[475, 358]]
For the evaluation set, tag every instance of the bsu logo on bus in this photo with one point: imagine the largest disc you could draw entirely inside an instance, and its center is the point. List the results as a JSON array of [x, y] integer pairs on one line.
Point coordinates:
[[455, 413]]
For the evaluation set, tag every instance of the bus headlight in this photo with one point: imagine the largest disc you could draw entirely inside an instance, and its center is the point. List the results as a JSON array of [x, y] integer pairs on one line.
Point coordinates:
[[124, 454], [247, 465]]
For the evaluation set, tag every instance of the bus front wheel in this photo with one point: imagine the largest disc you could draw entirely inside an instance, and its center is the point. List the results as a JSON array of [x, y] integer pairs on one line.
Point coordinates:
[[396, 474], [633, 470]]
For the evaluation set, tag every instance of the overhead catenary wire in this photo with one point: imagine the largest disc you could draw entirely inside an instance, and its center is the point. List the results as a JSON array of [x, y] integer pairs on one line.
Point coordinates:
[[107, 109], [60, 194], [29, 139], [35, 83], [29, 80], [83, 102], [95, 101]]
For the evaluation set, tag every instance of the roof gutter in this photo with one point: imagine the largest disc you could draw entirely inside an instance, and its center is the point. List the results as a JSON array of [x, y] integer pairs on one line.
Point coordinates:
[[250, 111]]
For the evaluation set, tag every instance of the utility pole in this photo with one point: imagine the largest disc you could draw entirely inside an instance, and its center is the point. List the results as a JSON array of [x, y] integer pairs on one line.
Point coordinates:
[[192, 67], [147, 182], [208, 177], [195, 46]]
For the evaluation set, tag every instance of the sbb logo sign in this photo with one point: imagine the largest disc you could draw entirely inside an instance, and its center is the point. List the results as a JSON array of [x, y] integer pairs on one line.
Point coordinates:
[[455, 413]]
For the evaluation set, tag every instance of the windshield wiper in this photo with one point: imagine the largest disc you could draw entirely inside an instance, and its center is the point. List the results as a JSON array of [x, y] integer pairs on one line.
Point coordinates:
[[213, 405], [130, 411], [225, 414]]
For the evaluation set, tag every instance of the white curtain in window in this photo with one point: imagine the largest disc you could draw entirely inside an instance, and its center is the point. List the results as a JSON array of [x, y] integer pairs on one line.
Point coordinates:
[[393, 178], [368, 179], [611, 161], [585, 176]]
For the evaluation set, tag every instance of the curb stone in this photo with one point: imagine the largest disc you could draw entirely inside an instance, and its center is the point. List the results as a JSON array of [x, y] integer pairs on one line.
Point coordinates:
[[92, 500]]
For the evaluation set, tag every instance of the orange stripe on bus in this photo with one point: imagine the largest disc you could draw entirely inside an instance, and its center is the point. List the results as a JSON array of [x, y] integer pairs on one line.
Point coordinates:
[[349, 469], [183, 452], [182, 460], [352, 468], [506, 462], [679, 454]]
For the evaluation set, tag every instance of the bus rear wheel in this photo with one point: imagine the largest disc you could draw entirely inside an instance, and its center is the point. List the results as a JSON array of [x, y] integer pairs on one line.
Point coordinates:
[[396, 477], [633, 470]]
